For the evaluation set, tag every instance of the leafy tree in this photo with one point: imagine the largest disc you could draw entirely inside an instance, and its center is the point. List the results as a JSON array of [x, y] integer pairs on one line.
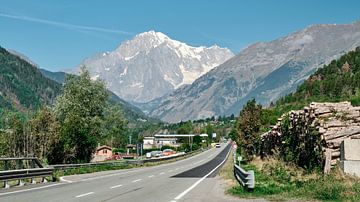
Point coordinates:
[[197, 139], [80, 110], [185, 128], [114, 127], [44, 132], [248, 128], [14, 140]]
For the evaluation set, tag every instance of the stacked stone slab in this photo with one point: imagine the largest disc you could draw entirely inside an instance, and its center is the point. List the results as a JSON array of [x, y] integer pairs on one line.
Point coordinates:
[[350, 156], [335, 123]]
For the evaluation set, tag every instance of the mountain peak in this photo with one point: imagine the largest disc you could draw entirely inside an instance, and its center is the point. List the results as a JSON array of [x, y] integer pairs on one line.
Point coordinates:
[[152, 64], [161, 37]]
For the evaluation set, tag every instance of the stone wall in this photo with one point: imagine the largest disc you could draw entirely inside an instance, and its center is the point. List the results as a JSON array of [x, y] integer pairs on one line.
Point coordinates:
[[335, 122]]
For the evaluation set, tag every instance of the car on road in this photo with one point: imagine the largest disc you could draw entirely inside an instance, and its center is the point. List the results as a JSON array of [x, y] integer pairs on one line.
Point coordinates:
[[156, 154], [218, 145], [168, 152]]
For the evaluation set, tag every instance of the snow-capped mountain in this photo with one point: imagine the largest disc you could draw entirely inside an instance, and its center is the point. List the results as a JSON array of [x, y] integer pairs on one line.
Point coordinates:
[[265, 71], [152, 65]]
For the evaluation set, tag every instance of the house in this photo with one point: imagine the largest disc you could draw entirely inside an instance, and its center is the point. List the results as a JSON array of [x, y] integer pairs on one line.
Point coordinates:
[[160, 140], [149, 142], [102, 153]]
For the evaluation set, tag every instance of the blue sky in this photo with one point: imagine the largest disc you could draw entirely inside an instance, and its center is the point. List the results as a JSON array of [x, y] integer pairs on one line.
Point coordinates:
[[60, 34]]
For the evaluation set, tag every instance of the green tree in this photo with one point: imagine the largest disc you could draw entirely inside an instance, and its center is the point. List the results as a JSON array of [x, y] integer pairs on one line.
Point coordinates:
[[248, 128], [114, 127], [80, 110], [44, 132], [14, 139], [185, 128]]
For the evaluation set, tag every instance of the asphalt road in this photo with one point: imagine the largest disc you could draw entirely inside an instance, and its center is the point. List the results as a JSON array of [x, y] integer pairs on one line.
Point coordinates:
[[176, 181]]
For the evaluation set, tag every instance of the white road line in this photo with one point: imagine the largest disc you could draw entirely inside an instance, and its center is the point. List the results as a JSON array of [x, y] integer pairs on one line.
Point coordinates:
[[137, 180], [162, 173], [25, 190], [200, 180], [63, 180], [151, 176], [109, 175], [116, 186], [81, 195], [170, 170]]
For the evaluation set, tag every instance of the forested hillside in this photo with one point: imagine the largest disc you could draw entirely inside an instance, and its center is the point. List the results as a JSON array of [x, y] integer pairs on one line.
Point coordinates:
[[22, 86], [338, 81]]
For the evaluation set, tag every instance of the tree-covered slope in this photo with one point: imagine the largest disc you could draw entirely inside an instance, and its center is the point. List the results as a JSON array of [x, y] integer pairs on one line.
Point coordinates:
[[131, 113], [22, 86], [338, 81]]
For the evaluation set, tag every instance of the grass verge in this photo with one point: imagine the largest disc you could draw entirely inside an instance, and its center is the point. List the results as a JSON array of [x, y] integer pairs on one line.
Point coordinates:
[[278, 181]]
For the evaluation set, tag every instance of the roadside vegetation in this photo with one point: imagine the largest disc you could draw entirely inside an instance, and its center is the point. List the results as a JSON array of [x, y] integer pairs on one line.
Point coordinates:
[[292, 167], [69, 131], [89, 169], [277, 180]]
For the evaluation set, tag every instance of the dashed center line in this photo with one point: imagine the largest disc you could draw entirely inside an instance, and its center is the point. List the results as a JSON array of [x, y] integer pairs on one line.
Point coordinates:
[[82, 195], [170, 170], [162, 173], [116, 186], [151, 176], [137, 180]]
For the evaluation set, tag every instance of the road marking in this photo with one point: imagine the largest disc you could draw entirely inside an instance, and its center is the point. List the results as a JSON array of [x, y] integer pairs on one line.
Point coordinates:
[[162, 173], [116, 186], [137, 180], [170, 170], [151, 176], [200, 180], [25, 190], [63, 180], [109, 175], [81, 195], [177, 169]]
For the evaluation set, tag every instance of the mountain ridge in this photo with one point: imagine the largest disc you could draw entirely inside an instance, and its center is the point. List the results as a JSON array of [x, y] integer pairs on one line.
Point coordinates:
[[224, 89], [152, 64]]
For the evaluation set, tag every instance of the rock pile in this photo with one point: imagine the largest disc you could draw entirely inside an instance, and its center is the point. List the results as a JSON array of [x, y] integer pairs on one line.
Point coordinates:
[[334, 122]]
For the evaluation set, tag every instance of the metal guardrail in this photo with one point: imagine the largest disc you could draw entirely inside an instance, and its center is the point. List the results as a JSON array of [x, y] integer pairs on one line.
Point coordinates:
[[245, 178], [115, 163], [22, 168], [80, 165]]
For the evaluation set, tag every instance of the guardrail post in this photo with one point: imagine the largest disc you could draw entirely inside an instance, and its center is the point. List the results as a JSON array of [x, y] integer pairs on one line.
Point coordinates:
[[33, 181], [6, 185], [21, 183]]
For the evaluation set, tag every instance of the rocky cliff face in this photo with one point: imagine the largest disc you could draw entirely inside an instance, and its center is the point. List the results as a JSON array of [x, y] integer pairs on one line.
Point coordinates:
[[152, 65], [334, 122], [265, 71]]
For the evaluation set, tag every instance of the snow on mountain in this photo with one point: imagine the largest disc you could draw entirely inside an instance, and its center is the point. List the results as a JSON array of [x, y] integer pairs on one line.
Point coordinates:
[[264, 71], [151, 65]]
